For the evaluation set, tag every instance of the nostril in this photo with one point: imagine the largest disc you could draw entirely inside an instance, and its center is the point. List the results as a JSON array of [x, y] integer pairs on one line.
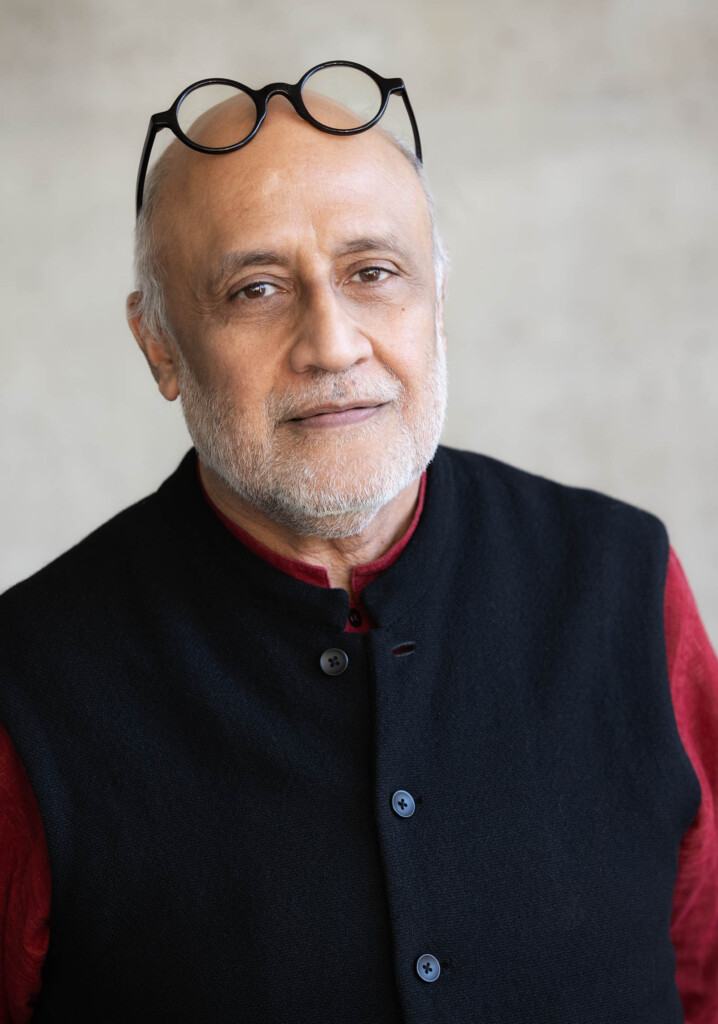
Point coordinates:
[[406, 648]]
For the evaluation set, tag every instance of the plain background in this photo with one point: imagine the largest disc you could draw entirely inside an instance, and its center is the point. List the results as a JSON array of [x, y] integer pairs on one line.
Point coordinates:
[[573, 152]]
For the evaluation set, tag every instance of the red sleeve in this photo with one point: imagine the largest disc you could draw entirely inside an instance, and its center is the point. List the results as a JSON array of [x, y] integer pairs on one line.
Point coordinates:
[[24, 890], [693, 671]]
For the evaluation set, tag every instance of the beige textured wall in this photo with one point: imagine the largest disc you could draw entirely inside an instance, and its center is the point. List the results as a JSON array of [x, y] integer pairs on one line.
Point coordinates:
[[573, 150]]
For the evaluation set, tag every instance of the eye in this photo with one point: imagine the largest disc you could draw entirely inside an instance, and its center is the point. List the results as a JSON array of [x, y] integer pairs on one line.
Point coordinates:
[[371, 275], [256, 290]]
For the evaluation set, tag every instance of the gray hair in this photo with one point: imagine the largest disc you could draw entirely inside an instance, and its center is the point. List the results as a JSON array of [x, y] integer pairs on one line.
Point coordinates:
[[150, 273], [439, 253]]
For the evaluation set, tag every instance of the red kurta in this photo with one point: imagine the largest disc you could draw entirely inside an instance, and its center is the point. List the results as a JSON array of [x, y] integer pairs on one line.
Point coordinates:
[[693, 672]]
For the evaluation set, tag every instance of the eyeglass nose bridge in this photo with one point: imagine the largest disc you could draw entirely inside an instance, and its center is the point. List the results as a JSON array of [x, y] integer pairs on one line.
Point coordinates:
[[293, 93], [262, 97]]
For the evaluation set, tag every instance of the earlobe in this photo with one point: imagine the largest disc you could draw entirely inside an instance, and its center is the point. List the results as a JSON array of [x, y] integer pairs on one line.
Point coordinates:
[[158, 350]]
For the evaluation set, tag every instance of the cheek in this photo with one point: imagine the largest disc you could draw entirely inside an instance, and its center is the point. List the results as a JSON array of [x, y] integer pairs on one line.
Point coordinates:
[[410, 348], [241, 374]]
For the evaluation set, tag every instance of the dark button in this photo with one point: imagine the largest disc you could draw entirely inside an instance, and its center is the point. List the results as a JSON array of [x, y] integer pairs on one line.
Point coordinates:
[[334, 661], [427, 967], [403, 803], [355, 617]]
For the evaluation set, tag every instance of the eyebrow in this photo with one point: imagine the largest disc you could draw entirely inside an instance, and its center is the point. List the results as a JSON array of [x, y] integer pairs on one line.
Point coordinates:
[[238, 260], [372, 243], [233, 262]]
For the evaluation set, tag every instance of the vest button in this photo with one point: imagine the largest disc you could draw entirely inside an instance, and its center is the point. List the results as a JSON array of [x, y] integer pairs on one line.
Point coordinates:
[[334, 661], [355, 617], [427, 967], [403, 803]]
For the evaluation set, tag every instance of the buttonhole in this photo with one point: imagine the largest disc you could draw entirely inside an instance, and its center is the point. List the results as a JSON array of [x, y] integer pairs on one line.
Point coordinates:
[[446, 964], [407, 648]]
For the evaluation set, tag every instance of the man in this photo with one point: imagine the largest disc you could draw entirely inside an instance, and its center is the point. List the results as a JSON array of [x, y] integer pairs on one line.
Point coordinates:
[[318, 734]]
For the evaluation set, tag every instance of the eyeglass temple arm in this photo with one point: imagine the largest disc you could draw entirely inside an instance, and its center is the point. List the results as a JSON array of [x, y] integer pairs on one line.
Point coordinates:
[[152, 130], [414, 126]]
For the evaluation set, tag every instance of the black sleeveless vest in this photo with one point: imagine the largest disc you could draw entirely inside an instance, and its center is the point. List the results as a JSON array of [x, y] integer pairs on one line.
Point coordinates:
[[218, 808]]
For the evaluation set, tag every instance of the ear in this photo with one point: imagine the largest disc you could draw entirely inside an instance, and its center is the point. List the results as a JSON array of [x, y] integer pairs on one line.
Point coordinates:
[[160, 351]]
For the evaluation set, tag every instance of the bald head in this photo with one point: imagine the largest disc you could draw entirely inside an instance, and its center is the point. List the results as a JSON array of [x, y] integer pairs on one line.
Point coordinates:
[[187, 191]]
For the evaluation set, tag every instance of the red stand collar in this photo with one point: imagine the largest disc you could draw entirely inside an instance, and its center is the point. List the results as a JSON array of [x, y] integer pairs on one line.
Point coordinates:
[[362, 575]]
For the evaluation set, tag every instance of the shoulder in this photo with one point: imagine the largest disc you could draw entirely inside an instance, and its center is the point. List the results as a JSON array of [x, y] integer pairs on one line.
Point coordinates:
[[135, 536], [95, 556], [481, 473], [553, 513], [95, 573]]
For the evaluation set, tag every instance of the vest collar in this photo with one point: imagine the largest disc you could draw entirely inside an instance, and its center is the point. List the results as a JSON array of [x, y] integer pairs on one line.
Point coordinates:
[[221, 561]]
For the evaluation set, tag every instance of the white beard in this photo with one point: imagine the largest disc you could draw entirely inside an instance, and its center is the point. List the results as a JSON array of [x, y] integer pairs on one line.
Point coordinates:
[[318, 483]]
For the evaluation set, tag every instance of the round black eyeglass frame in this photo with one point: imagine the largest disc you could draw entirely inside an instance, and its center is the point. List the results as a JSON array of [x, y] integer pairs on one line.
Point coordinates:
[[168, 118]]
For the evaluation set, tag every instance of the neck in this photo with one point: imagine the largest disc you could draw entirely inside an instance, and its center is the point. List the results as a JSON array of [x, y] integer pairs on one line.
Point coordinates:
[[338, 556]]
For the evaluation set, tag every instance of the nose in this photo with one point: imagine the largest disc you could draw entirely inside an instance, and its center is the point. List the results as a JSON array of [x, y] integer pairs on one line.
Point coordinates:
[[327, 336]]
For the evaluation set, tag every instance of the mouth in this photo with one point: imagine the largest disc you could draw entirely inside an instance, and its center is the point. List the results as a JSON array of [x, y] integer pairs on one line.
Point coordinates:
[[337, 415]]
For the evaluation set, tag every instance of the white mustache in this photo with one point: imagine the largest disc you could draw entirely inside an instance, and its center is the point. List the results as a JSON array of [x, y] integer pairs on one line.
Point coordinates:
[[344, 391]]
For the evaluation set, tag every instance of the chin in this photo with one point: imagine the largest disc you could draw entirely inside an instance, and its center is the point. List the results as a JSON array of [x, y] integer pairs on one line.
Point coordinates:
[[336, 526], [327, 500]]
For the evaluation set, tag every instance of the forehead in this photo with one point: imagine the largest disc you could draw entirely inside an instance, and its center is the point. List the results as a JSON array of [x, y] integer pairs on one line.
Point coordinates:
[[291, 185]]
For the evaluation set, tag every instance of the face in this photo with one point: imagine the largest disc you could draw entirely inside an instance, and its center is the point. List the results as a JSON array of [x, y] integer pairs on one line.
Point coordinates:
[[308, 349]]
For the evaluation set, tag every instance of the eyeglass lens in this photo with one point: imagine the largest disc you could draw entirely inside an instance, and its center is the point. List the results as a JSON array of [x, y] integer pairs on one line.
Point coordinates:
[[217, 132], [337, 97], [355, 98]]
